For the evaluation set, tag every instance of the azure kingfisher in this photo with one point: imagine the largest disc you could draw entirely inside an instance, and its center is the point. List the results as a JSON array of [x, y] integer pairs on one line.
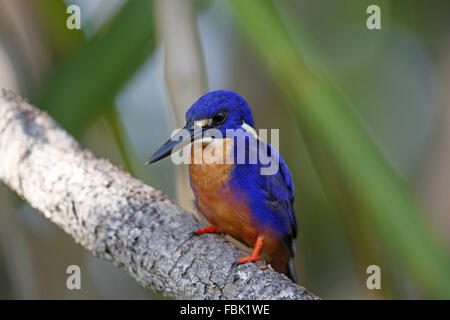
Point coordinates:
[[235, 198]]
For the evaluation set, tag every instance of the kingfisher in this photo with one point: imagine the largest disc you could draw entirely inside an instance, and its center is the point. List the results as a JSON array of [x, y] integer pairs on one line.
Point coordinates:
[[234, 196]]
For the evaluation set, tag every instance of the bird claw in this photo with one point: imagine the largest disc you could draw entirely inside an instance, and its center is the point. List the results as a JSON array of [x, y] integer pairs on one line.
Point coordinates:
[[245, 260], [191, 234]]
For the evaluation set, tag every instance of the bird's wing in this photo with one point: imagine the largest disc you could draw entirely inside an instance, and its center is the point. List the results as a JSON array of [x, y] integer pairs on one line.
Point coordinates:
[[279, 189], [272, 195]]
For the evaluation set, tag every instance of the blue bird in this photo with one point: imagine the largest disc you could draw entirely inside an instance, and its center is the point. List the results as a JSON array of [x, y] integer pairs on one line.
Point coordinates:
[[234, 196]]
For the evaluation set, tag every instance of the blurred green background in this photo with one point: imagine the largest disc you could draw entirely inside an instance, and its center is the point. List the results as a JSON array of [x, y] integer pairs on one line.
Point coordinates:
[[364, 118]]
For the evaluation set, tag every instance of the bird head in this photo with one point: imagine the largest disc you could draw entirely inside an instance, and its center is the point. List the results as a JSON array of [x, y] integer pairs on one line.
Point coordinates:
[[216, 110]]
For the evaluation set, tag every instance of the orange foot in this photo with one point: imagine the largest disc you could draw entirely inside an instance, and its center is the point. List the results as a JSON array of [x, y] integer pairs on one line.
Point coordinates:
[[255, 253], [210, 229]]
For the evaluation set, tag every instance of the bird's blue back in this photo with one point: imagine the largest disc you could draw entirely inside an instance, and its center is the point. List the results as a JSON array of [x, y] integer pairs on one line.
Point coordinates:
[[270, 197]]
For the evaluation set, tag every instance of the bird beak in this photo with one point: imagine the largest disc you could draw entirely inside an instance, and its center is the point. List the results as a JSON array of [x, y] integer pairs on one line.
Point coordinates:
[[181, 139]]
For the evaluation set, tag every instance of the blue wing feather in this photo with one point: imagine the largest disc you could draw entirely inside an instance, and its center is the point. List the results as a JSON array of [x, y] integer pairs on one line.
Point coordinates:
[[271, 196], [280, 193]]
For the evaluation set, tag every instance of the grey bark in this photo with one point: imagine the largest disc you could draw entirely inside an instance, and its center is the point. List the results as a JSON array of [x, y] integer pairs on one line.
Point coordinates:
[[120, 219]]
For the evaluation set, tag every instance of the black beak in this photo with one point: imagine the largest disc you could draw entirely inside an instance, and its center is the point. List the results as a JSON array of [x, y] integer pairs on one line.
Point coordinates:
[[180, 140]]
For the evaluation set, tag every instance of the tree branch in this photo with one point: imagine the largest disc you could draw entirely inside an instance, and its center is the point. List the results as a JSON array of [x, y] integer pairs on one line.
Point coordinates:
[[119, 218]]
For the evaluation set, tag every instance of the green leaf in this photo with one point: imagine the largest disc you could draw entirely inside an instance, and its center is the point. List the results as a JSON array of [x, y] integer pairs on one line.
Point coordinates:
[[345, 156], [86, 85], [52, 17]]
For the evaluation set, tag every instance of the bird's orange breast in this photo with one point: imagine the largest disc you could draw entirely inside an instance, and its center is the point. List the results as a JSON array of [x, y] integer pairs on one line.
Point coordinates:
[[221, 204], [226, 207]]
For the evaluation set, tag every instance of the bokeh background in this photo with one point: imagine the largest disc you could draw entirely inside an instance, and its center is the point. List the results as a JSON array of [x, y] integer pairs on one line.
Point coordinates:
[[364, 119]]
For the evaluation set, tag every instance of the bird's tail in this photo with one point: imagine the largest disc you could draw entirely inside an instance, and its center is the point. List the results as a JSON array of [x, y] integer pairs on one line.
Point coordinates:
[[290, 270]]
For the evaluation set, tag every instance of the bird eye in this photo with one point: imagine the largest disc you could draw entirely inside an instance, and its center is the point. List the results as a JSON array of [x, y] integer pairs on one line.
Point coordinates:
[[219, 117]]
